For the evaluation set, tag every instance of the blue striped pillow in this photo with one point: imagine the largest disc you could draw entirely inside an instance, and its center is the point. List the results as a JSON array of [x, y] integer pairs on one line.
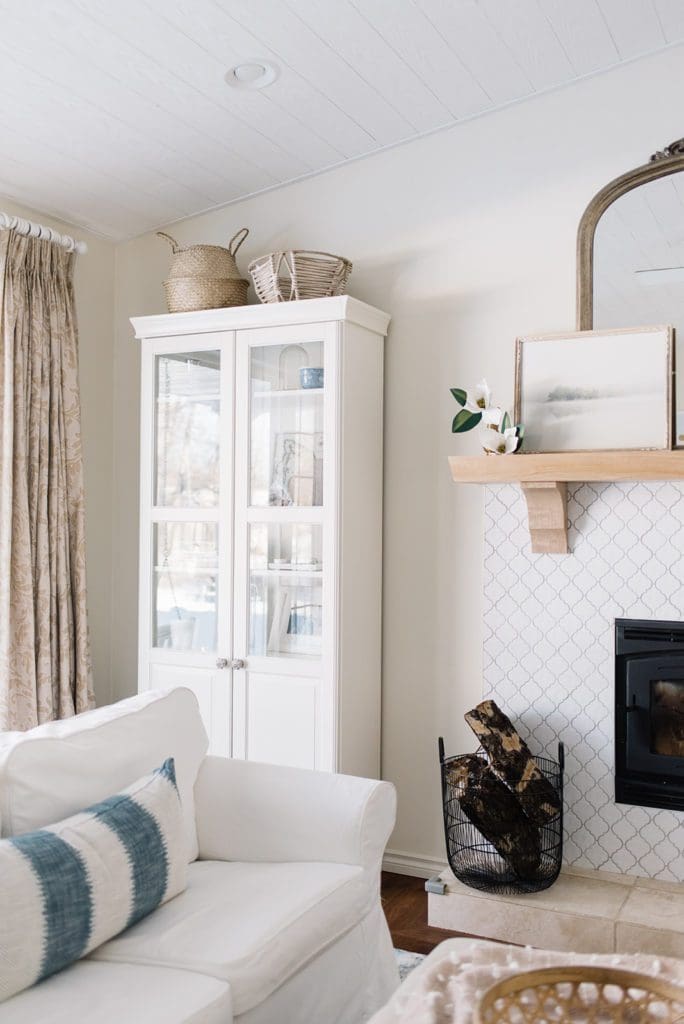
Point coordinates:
[[67, 888]]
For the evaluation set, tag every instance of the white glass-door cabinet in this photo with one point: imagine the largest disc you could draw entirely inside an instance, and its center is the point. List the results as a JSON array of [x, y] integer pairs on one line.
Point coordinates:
[[261, 526]]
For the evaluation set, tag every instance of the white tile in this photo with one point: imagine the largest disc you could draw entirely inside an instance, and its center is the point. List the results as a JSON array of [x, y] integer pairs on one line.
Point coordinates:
[[631, 938], [560, 682], [577, 913], [652, 920], [675, 888], [654, 908]]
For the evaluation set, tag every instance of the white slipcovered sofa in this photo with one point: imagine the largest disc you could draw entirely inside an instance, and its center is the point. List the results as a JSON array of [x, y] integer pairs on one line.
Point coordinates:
[[281, 922]]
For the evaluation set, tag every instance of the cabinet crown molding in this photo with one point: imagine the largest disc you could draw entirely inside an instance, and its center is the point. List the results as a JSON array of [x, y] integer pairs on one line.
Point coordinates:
[[276, 314]]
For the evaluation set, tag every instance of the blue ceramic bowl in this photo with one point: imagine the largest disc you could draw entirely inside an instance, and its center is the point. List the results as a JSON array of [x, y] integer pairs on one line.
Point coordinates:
[[311, 377]]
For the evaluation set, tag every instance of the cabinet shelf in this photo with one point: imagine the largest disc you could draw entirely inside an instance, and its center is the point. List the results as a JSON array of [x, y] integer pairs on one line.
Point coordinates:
[[287, 393], [316, 574], [543, 478], [187, 570]]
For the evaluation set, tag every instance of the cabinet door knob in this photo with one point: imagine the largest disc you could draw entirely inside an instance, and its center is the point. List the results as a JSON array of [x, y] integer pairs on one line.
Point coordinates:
[[234, 663]]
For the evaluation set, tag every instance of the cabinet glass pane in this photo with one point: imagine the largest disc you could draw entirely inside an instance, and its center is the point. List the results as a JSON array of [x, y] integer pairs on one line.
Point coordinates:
[[185, 586], [285, 590], [286, 428], [187, 429]]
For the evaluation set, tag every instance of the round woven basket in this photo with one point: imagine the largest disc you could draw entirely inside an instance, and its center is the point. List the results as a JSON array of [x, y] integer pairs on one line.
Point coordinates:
[[186, 294], [204, 276], [299, 274], [583, 995]]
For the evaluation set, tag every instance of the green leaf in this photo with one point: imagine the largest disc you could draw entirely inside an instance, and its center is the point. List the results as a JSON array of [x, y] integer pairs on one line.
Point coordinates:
[[464, 421], [520, 431], [459, 394], [505, 422]]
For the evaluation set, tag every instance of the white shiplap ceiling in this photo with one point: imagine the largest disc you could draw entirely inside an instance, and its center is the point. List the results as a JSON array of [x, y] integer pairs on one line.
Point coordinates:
[[114, 114]]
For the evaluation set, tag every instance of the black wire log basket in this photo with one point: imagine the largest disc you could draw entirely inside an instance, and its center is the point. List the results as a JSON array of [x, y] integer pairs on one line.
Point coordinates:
[[475, 861]]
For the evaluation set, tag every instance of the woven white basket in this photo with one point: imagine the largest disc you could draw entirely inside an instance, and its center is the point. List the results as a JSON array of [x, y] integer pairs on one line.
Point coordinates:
[[299, 274]]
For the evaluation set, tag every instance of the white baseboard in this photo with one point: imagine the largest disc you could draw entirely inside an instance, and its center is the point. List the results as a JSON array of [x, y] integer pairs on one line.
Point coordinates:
[[402, 863]]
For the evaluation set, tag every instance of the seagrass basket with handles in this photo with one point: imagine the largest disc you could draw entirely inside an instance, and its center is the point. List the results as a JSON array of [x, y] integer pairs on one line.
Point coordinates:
[[582, 995], [204, 276], [299, 274]]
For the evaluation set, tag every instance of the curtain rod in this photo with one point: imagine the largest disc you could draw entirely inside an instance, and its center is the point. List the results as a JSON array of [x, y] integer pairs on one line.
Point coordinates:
[[29, 227]]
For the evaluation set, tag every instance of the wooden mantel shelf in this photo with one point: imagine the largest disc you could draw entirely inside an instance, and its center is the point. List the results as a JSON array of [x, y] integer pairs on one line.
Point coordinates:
[[576, 466], [543, 480]]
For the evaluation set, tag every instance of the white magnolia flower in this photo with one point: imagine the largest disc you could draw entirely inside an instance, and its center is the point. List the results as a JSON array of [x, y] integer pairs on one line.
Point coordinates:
[[500, 443], [492, 416], [478, 398]]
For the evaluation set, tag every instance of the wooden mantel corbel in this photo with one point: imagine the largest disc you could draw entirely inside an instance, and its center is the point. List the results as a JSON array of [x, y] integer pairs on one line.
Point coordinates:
[[547, 516], [544, 477]]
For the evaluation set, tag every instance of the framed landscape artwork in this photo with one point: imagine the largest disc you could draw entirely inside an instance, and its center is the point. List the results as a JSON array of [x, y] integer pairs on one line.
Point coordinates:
[[595, 390]]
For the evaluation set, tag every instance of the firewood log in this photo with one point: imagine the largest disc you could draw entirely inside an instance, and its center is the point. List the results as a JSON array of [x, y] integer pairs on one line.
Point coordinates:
[[495, 811], [512, 761]]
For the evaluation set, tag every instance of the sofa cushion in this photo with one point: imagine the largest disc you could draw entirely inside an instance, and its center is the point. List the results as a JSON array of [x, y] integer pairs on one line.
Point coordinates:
[[56, 770], [102, 993], [67, 888], [253, 925]]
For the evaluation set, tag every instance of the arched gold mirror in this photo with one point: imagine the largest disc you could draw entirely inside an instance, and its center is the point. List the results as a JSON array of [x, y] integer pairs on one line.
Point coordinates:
[[630, 256]]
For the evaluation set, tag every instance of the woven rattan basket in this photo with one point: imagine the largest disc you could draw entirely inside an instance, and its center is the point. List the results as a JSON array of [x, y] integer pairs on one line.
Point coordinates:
[[204, 276], [581, 995], [298, 274]]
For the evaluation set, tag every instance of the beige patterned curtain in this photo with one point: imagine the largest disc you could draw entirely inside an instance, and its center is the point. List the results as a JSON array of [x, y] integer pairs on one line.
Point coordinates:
[[45, 669]]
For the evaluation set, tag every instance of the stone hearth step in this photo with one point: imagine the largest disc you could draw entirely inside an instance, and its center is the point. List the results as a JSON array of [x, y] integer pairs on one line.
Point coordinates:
[[584, 911]]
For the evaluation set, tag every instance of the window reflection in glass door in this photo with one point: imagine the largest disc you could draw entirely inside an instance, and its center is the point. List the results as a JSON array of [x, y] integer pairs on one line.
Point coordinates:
[[286, 424], [187, 430], [286, 590], [185, 582]]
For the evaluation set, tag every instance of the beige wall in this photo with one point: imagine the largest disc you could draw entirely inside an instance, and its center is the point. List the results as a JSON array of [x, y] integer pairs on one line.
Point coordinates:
[[94, 289], [467, 237]]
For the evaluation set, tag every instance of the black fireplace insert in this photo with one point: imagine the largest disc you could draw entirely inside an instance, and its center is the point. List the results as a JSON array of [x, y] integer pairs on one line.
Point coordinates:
[[649, 713]]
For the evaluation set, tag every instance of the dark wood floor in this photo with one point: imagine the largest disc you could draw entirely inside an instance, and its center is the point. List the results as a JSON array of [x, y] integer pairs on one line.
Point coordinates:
[[405, 903]]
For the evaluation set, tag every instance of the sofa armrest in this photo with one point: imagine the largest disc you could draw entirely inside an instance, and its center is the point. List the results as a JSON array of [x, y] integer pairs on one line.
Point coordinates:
[[248, 811]]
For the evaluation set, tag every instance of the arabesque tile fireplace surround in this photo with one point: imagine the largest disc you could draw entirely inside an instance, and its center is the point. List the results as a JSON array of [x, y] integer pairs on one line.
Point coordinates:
[[549, 624], [549, 654]]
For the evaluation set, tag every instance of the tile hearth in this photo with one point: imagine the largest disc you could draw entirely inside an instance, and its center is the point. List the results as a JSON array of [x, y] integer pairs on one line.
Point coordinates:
[[585, 911]]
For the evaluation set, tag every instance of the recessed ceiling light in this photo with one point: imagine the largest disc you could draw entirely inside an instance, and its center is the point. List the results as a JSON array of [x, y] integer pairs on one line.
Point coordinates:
[[251, 74]]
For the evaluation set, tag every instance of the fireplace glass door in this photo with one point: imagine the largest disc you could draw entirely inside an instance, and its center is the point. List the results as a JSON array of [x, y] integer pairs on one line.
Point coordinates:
[[649, 713], [653, 713], [667, 717]]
